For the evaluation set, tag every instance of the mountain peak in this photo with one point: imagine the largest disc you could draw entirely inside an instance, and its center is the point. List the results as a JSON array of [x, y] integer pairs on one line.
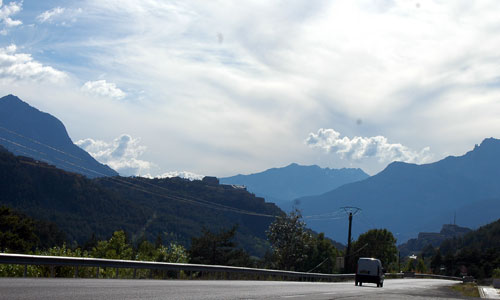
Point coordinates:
[[488, 149], [13, 101], [488, 143], [282, 185], [28, 131]]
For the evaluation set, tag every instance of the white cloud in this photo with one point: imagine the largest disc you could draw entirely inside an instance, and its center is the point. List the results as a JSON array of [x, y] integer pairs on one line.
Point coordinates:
[[49, 15], [8, 10], [181, 174], [236, 86], [60, 15], [21, 66], [359, 148], [122, 154], [104, 89]]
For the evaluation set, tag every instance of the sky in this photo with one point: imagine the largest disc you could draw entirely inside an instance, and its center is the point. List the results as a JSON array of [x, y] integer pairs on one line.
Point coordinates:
[[156, 88]]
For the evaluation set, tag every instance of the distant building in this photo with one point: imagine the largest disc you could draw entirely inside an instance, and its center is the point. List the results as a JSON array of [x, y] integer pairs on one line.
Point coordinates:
[[238, 187], [210, 180]]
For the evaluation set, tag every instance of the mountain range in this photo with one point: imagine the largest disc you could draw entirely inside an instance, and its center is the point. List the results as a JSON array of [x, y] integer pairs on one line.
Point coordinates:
[[24, 130], [404, 198], [408, 198], [282, 185]]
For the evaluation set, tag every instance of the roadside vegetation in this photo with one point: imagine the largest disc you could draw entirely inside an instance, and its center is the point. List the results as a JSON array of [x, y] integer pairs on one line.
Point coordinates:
[[467, 289], [293, 247]]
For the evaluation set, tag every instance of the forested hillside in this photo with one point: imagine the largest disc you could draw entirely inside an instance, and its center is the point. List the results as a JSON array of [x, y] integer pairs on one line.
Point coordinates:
[[175, 208], [477, 253]]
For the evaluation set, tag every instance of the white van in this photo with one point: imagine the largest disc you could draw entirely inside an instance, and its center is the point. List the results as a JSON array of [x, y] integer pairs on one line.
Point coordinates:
[[369, 270]]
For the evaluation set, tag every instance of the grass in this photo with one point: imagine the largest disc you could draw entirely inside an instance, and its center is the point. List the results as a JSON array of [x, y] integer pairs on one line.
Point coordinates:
[[467, 289]]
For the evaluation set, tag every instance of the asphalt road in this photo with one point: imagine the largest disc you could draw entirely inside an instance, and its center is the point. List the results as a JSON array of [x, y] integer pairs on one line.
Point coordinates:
[[110, 289]]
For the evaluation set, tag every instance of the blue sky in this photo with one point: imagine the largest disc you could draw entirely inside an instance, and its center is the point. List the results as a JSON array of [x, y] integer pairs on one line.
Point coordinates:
[[227, 87]]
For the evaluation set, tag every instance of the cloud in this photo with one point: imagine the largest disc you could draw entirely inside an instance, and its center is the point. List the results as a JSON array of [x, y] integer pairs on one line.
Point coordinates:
[[359, 148], [63, 16], [8, 10], [122, 154], [104, 89], [49, 15], [20, 66], [237, 86], [181, 174]]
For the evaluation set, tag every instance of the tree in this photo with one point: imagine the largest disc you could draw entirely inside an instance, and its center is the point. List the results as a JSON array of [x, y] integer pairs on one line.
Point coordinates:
[[321, 255], [421, 267], [116, 248], [173, 253], [290, 241], [410, 265], [218, 249], [377, 243], [436, 262], [17, 232]]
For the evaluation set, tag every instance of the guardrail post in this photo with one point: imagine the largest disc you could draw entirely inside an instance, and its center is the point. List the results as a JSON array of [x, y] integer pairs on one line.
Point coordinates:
[[97, 273], [150, 273], [52, 271], [76, 272], [117, 275], [25, 270], [135, 272]]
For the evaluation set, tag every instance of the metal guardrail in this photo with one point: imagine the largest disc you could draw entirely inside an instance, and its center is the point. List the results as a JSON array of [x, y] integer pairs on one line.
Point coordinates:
[[439, 277], [22, 259], [421, 275]]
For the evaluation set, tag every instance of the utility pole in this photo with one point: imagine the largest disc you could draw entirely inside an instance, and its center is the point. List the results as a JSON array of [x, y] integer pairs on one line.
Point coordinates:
[[349, 244], [347, 260], [399, 261]]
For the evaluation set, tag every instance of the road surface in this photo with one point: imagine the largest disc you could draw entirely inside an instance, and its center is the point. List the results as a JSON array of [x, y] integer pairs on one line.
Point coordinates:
[[111, 289]]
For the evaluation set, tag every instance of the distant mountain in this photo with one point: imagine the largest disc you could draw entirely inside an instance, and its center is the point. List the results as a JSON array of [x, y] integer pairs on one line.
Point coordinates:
[[435, 239], [281, 185], [408, 198], [24, 130], [175, 208]]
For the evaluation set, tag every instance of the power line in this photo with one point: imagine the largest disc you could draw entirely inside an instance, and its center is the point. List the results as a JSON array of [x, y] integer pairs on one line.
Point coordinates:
[[194, 200], [130, 185], [38, 142]]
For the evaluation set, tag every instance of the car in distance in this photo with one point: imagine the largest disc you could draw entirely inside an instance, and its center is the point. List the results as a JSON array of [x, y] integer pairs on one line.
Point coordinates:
[[369, 270]]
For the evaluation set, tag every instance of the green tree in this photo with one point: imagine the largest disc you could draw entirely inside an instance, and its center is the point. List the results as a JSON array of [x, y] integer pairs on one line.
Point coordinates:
[[377, 243], [218, 249], [436, 262], [290, 241], [173, 253], [321, 255], [116, 248], [146, 251], [496, 273], [17, 232], [410, 265], [421, 267]]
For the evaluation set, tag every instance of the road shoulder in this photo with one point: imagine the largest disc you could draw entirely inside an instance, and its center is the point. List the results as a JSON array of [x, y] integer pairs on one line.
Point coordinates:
[[488, 292]]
